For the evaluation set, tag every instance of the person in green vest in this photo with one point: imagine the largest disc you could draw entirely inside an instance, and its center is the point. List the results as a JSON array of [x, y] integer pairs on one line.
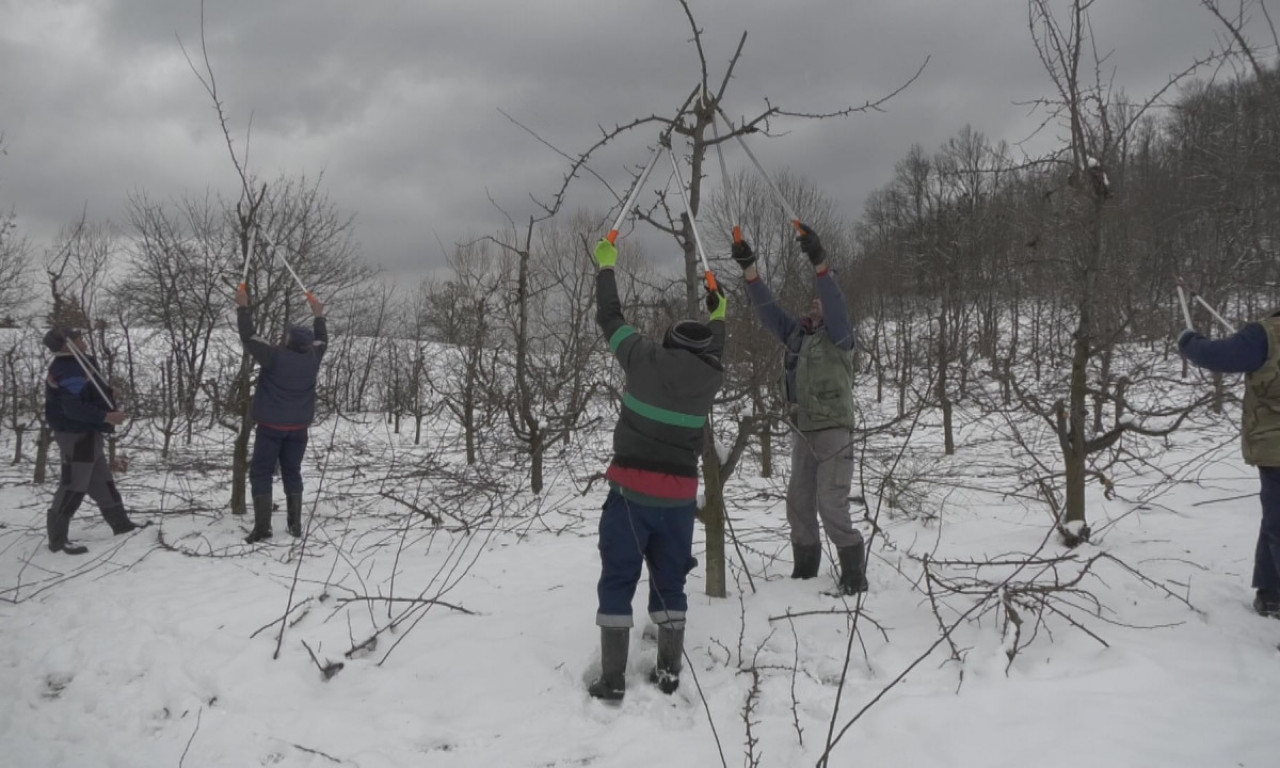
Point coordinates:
[[1254, 350], [818, 362]]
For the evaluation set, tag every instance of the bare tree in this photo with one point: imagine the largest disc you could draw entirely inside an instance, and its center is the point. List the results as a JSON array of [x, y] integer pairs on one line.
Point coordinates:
[[1097, 127], [177, 284], [691, 127], [23, 398], [461, 313]]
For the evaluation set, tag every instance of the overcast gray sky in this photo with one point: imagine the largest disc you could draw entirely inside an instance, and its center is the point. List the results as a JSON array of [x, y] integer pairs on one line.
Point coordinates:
[[396, 102]]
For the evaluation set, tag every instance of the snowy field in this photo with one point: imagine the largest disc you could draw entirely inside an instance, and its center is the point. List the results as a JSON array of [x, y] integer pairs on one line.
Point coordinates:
[[467, 642]]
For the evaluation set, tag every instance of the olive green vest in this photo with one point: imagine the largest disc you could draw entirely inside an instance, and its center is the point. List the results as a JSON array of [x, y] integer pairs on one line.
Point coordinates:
[[824, 385], [1260, 435]]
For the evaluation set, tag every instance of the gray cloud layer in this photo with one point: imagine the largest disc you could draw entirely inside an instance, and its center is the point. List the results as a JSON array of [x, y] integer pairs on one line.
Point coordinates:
[[396, 102]]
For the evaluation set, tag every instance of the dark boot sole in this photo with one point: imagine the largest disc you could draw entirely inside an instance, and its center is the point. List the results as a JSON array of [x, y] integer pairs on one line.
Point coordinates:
[[70, 549]]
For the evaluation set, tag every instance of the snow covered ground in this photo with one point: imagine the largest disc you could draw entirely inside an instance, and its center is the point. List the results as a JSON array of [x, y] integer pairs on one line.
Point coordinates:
[[158, 648]]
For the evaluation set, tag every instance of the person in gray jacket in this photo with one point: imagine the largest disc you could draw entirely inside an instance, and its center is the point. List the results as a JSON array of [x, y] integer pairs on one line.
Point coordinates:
[[818, 362], [283, 407]]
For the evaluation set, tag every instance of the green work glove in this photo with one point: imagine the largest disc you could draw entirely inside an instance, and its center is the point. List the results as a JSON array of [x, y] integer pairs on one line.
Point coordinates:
[[717, 304], [606, 254]]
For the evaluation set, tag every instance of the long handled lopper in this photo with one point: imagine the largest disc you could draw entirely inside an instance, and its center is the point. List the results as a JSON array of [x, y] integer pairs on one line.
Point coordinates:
[[276, 253], [724, 182], [91, 372], [697, 239], [777, 193], [612, 237], [1186, 313]]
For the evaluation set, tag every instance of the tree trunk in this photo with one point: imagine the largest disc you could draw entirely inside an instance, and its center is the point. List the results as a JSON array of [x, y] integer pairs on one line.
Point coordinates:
[[712, 516], [536, 450], [904, 375], [17, 444], [43, 438], [1104, 383], [1075, 454], [766, 450], [948, 436], [240, 461], [469, 430], [1074, 457]]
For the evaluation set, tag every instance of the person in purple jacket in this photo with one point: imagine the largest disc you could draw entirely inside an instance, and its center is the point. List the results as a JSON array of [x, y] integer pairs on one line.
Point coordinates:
[[1254, 350], [818, 362]]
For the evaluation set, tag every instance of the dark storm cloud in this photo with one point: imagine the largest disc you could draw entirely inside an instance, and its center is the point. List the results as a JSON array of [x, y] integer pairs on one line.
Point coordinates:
[[396, 103]]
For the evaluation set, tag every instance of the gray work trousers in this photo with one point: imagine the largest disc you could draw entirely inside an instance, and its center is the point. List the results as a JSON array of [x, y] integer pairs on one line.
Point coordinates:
[[821, 477], [84, 472]]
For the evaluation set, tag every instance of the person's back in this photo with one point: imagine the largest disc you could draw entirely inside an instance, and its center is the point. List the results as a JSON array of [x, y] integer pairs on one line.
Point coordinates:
[[1260, 430], [286, 393], [648, 516], [658, 439]]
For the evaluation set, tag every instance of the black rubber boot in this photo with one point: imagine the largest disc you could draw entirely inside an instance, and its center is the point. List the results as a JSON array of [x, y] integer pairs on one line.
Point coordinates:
[[261, 520], [1267, 603], [666, 675], [293, 514], [119, 520], [853, 569], [58, 524], [612, 683], [70, 548], [807, 559]]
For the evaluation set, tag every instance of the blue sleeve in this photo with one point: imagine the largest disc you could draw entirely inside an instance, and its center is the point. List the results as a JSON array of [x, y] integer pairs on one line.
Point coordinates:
[[835, 311], [1245, 351], [772, 316]]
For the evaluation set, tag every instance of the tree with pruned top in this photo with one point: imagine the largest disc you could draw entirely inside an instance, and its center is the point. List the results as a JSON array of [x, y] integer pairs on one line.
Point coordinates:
[[691, 134]]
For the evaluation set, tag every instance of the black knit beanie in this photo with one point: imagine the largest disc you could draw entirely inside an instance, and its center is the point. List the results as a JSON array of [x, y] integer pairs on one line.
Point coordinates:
[[688, 334]]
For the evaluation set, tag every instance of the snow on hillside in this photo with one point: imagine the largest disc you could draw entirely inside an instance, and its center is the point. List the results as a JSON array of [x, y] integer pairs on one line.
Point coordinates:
[[467, 643]]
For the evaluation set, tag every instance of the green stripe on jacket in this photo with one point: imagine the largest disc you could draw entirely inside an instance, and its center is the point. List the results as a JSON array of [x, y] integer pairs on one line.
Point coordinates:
[[620, 336], [654, 413]]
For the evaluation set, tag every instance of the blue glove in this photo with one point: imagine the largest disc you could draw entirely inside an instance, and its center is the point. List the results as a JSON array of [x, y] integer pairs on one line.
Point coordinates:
[[1186, 336]]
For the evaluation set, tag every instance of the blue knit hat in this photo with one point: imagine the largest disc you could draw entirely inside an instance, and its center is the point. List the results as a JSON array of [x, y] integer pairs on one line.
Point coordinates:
[[300, 339]]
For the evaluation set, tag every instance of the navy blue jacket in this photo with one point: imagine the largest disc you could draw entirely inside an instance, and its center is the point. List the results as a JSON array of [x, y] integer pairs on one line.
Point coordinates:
[[71, 402], [1245, 351], [286, 395]]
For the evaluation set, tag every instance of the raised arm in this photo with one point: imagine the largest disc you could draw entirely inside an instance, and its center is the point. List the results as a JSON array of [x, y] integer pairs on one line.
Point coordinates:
[[718, 306], [1245, 351], [624, 340], [261, 351], [835, 309], [319, 326]]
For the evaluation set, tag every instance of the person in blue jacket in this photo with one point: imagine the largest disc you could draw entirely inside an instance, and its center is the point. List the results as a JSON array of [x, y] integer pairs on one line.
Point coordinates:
[[283, 407], [79, 409], [1254, 350]]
